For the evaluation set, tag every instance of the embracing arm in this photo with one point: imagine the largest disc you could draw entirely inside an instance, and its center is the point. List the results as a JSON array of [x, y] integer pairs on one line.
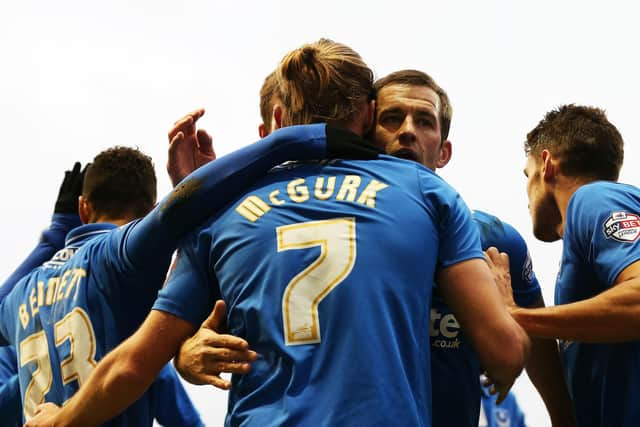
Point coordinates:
[[212, 186], [611, 316], [122, 376], [502, 346]]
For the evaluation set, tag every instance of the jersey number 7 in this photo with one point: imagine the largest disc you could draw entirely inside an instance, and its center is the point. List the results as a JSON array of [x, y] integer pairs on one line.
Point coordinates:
[[337, 241]]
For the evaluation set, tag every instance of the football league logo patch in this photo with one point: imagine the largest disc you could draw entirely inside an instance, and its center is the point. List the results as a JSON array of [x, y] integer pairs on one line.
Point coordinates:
[[622, 227]]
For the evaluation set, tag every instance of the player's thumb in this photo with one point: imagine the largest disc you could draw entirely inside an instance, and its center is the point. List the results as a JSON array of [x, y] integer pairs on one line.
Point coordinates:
[[216, 319]]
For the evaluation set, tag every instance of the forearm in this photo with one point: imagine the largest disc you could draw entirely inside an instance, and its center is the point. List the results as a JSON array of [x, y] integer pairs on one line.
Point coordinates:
[[501, 344], [213, 186], [124, 374], [611, 316], [504, 352], [545, 371], [117, 381]]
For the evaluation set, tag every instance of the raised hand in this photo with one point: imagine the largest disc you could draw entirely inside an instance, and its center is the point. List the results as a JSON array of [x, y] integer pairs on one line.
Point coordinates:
[[70, 189], [189, 148]]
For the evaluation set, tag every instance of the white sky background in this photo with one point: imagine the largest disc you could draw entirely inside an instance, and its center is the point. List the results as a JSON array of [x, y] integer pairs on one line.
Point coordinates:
[[78, 76]]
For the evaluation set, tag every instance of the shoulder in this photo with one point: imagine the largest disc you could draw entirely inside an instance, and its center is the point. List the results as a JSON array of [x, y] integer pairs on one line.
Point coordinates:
[[496, 232], [601, 194], [603, 202]]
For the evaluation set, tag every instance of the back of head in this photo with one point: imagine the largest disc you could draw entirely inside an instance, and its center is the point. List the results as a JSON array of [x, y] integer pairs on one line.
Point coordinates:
[[585, 142], [418, 78], [323, 81], [120, 183], [268, 93]]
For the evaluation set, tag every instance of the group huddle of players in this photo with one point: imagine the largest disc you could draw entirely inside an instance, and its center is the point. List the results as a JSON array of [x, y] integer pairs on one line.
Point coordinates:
[[331, 270]]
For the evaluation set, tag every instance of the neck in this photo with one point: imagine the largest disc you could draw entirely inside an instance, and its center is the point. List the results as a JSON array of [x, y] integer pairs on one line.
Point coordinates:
[[564, 189], [107, 219]]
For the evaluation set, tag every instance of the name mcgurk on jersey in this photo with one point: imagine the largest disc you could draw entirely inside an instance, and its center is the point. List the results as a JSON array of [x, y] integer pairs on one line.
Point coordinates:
[[352, 189]]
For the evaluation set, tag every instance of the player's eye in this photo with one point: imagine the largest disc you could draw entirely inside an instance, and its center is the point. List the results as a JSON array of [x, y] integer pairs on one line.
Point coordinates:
[[391, 118], [424, 121]]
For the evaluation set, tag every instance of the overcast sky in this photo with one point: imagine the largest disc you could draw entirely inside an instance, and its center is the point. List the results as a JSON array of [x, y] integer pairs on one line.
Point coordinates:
[[80, 76]]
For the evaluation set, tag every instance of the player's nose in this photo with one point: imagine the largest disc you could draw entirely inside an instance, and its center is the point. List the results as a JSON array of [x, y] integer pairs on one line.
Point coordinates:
[[407, 134]]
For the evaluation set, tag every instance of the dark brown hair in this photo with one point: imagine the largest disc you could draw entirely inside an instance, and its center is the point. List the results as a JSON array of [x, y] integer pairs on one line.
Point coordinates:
[[120, 182], [584, 140]]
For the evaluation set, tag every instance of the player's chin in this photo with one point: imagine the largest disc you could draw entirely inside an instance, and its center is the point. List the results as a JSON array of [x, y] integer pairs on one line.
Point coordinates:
[[405, 154]]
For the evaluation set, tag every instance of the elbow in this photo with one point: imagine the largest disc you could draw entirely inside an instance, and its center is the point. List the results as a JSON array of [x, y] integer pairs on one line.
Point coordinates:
[[520, 350], [131, 373], [506, 355]]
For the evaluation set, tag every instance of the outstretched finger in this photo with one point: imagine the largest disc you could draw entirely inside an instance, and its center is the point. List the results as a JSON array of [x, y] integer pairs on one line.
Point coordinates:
[[502, 394], [491, 254], [176, 143], [230, 349], [217, 382], [195, 115], [216, 319], [230, 367], [205, 144], [76, 168], [184, 125]]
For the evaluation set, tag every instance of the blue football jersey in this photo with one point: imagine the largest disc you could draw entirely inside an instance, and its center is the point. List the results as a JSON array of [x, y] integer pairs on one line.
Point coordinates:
[[327, 270], [454, 364], [601, 238], [51, 240], [70, 312], [67, 314], [170, 404]]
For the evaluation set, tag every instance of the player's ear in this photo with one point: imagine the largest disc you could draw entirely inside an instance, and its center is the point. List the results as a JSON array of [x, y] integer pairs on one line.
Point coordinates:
[[276, 117], [446, 150], [262, 131], [85, 210], [370, 117], [548, 166]]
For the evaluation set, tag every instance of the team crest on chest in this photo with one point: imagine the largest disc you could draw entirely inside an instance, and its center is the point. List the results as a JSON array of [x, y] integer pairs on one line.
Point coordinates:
[[622, 227], [502, 417]]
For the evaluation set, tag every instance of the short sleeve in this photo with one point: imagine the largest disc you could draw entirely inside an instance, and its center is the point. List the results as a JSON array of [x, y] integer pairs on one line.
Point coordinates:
[[501, 235], [458, 236], [603, 227], [190, 291]]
